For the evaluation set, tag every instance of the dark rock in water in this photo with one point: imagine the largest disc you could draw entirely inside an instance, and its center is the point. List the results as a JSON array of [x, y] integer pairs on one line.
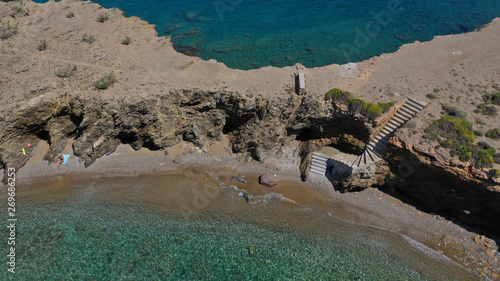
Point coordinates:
[[191, 15], [179, 159], [266, 179], [252, 250], [312, 50], [416, 27], [239, 179], [171, 28], [187, 50], [204, 19], [402, 36], [250, 199], [180, 238]]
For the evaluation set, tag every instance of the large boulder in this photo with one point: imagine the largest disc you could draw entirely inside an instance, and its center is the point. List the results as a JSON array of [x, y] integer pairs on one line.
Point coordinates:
[[268, 180]]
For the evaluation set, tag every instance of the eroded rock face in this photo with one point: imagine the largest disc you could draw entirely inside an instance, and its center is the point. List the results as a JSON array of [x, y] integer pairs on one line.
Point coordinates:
[[442, 185], [372, 176], [253, 124]]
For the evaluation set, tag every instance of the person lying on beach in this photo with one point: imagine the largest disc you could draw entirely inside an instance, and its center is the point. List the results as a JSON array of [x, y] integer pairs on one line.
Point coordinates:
[[59, 159]]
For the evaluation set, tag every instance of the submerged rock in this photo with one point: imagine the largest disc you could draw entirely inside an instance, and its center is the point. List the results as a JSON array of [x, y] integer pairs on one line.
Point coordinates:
[[252, 250]]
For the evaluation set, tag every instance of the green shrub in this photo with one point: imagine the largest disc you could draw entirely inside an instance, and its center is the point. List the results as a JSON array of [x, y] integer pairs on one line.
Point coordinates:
[[355, 105], [436, 90], [492, 98], [126, 41], [43, 45], [17, 9], [7, 30], [496, 158], [454, 111], [459, 138], [70, 15], [385, 107], [338, 95], [494, 173], [451, 127], [66, 72], [105, 82], [478, 133], [88, 38], [485, 109], [484, 160], [480, 122], [491, 151], [493, 134], [431, 96], [103, 17], [372, 110]]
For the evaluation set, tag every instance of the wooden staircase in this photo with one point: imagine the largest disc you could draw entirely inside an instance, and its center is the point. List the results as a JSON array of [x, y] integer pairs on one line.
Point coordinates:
[[375, 147]]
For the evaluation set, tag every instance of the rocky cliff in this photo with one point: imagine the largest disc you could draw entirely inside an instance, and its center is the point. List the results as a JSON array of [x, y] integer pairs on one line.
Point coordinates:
[[254, 124]]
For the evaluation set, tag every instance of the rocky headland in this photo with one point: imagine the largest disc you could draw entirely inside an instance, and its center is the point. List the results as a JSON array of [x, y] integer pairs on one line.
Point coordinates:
[[149, 96]]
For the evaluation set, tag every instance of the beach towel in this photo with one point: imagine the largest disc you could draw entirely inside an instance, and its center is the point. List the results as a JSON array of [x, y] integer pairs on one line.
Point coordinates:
[[66, 157]]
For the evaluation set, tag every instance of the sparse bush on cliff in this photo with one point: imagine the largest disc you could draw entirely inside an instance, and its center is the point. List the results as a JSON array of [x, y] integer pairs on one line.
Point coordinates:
[[460, 140], [496, 158], [355, 105], [88, 38], [494, 173], [105, 82], [66, 72], [454, 111], [478, 133], [338, 95], [451, 127], [492, 98], [43, 45], [70, 15], [385, 106], [493, 134], [17, 9], [7, 30], [484, 159], [103, 17], [486, 109], [127, 41]]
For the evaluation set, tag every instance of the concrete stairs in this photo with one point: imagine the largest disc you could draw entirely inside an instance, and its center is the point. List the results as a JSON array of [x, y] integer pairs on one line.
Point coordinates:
[[318, 163], [375, 147]]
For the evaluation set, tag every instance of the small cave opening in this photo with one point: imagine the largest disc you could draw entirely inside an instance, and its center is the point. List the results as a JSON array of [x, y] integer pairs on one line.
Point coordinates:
[[150, 144], [307, 134], [127, 138], [77, 120], [43, 135], [233, 123]]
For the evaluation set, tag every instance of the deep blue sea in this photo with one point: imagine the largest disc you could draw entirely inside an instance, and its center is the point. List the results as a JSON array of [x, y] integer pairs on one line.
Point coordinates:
[[249, 34]]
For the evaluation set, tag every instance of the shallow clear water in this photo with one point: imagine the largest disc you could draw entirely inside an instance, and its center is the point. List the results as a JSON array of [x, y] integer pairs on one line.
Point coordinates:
[[173, 228], [248, 34]]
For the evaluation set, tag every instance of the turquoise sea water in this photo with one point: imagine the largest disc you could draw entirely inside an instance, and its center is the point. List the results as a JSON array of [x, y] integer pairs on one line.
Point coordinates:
[[248, 34], [172, 228]]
